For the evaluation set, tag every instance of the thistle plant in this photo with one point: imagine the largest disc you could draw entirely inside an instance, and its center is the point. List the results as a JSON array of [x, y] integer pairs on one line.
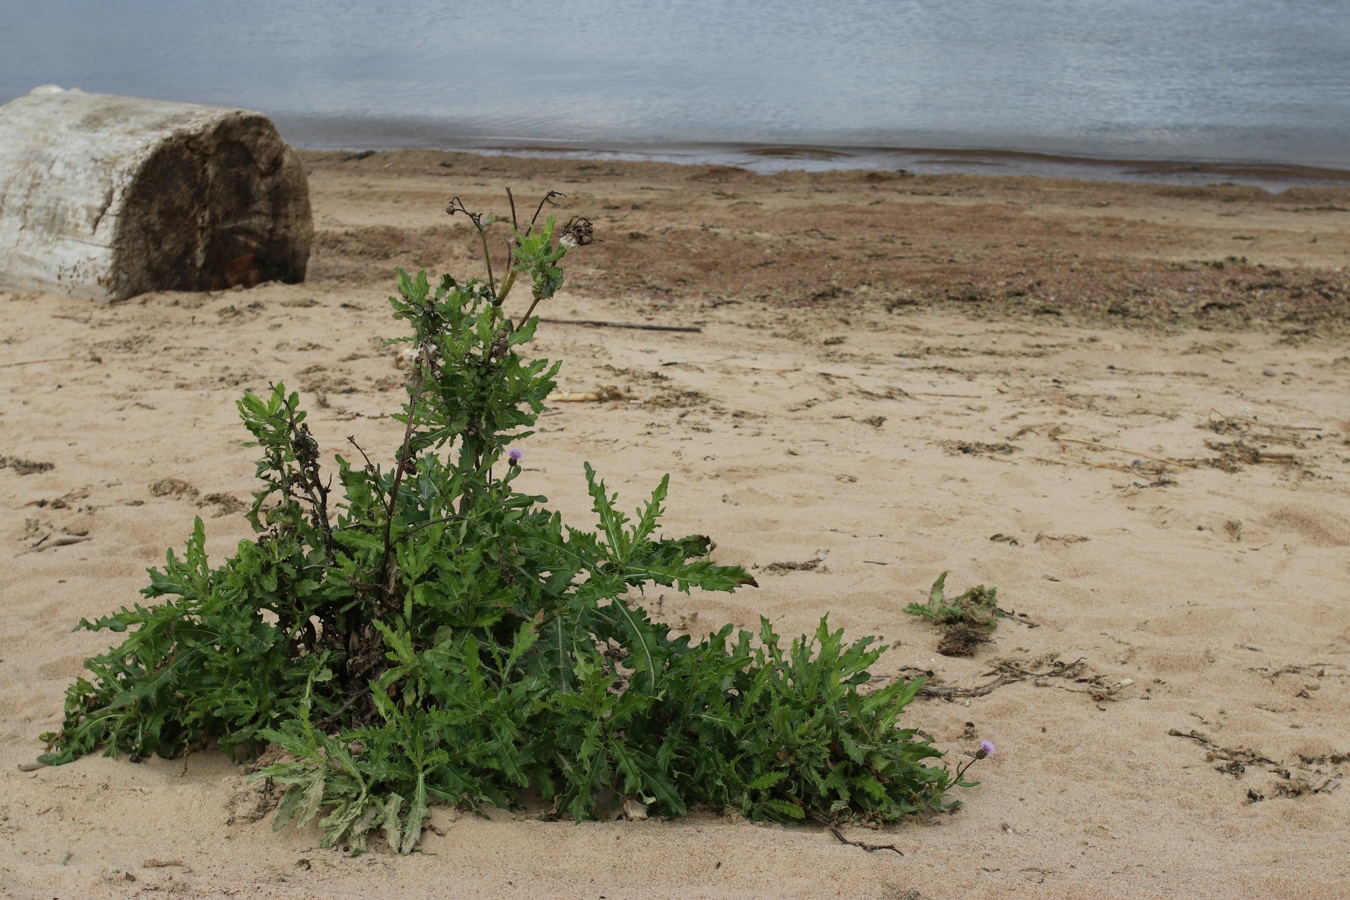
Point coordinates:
[[425, 631]]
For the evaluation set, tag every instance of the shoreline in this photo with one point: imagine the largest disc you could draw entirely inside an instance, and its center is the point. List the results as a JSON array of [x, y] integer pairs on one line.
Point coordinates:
[[768, 158]]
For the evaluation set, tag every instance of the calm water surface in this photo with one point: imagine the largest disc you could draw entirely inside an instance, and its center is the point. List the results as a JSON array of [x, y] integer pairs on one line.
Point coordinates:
[[1203, 86]]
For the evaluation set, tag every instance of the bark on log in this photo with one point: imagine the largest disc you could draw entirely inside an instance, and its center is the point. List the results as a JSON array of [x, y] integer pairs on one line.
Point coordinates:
[[108, 197]]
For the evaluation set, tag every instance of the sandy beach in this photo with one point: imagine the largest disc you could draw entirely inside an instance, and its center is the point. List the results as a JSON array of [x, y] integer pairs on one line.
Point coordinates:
[[1126, 406]]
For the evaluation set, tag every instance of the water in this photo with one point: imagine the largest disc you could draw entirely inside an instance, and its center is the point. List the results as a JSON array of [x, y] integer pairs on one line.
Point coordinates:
[[1242, 89]]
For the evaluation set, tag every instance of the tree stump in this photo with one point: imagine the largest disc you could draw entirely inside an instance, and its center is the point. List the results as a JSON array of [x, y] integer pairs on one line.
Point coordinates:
[[109, 197]]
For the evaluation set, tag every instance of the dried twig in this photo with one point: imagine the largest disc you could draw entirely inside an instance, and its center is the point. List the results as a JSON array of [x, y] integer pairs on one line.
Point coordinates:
[[597, 323], [1066, 459], [34, 362], [64, 540], [870, 848], [948, 693], [1090, 443], [1240, 755]]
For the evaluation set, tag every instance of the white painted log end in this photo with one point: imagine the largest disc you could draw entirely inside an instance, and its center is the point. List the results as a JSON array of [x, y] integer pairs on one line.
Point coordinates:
[[109, 197]]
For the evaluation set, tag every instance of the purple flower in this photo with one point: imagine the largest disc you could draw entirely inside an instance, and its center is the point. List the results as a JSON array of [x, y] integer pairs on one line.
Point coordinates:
[[516, 455], [987, 748]]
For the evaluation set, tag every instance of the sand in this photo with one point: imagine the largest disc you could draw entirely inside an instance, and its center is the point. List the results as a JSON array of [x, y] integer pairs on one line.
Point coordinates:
[[1125, 406]]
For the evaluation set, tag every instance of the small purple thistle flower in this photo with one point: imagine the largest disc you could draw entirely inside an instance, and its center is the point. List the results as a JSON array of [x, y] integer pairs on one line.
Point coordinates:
[[987, 748], [515, 456]]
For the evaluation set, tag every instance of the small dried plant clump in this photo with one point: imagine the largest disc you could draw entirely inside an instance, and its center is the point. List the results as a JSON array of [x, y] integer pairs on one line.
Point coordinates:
[[966, 621], [431, 633]]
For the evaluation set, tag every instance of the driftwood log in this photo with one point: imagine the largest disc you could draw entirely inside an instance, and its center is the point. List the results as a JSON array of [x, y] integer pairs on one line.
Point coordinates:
[[109, 197]]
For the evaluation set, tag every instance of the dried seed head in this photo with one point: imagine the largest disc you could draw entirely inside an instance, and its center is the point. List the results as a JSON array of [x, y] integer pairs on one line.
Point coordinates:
[[577, 233]]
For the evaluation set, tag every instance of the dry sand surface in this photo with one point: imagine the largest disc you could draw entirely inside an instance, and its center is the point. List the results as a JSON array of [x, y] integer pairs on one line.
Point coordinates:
[[1125, 406]]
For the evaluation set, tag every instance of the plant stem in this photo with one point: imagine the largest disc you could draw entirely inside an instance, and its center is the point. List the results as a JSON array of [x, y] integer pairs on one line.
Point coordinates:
[[547, 198], [382, 575], [510, 278], [487, 258], [530, 310]]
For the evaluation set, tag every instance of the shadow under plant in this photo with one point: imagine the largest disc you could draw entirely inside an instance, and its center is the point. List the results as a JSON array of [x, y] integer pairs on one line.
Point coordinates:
[[437, 635]]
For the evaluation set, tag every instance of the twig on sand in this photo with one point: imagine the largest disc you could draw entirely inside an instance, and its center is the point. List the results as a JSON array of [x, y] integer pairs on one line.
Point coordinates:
[[34, 362], [64, 540], [834, 830], [948, 693], [1162, 459], [1066, 459], [598, 323], [1240, 755]]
